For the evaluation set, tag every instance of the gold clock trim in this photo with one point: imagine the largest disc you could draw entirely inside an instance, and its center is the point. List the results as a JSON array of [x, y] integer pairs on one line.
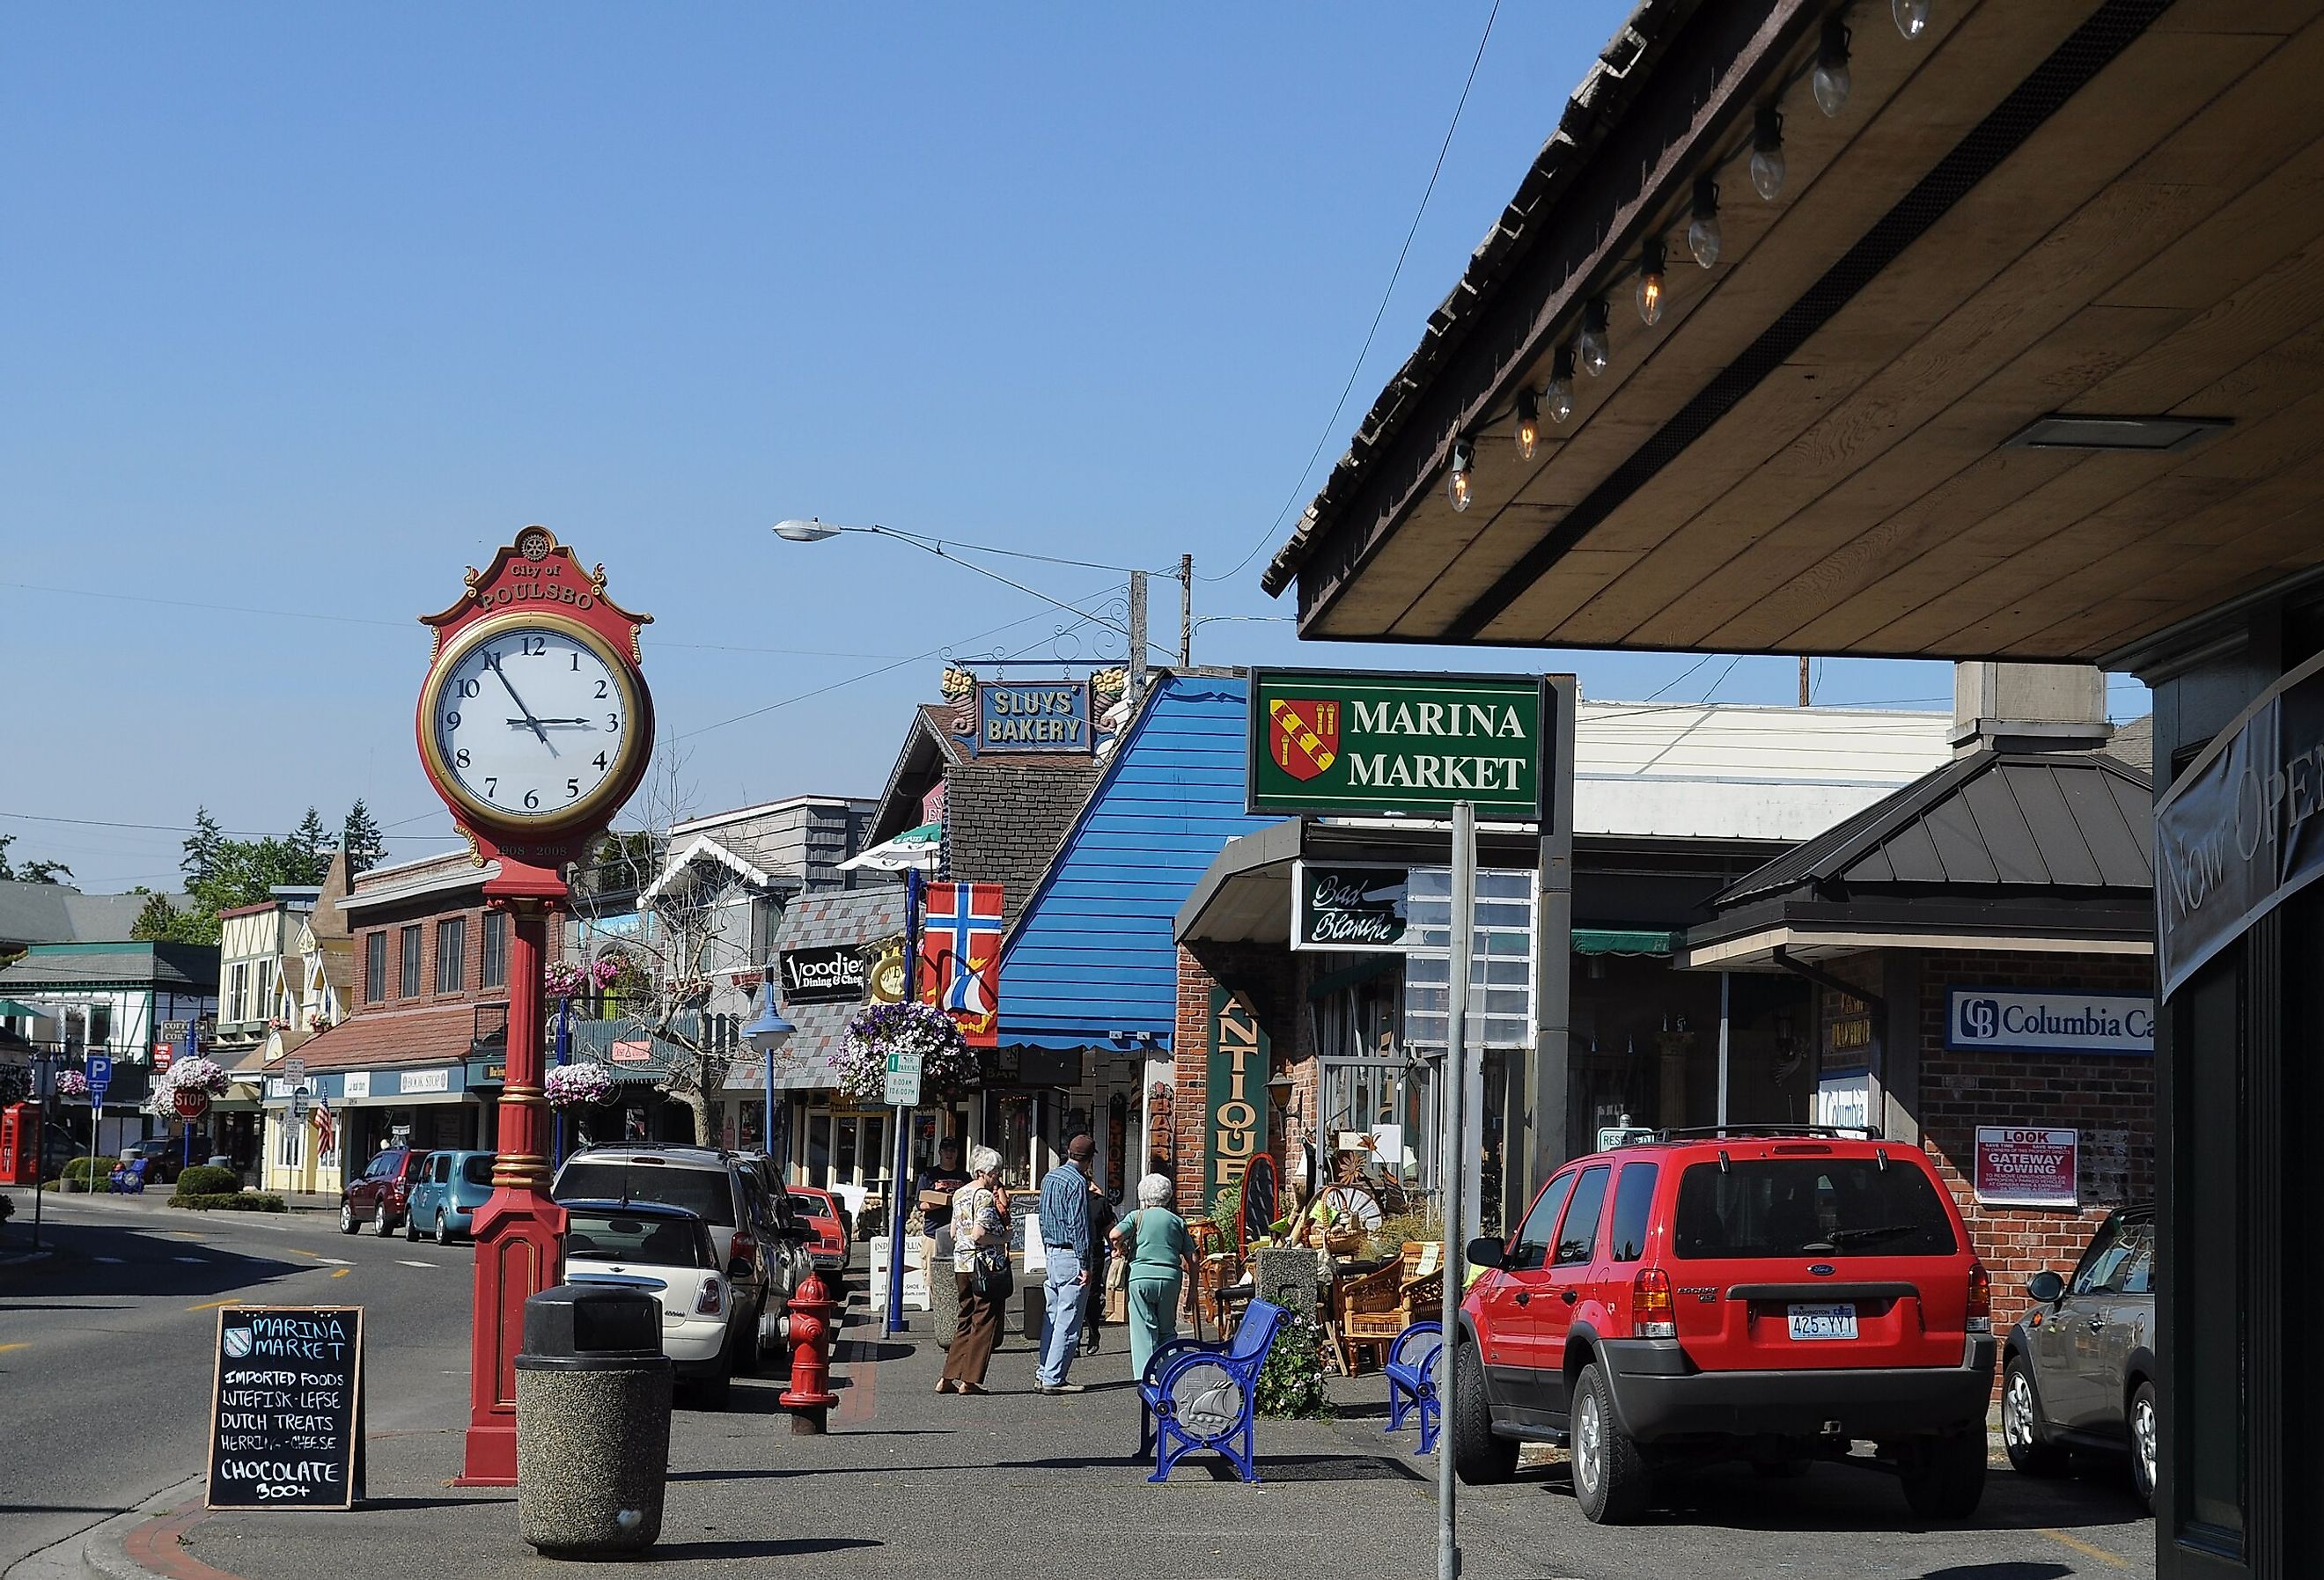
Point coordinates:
[[618, 779]]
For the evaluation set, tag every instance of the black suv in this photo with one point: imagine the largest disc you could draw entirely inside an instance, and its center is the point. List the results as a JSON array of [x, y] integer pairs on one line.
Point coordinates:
[[2079, 1371]]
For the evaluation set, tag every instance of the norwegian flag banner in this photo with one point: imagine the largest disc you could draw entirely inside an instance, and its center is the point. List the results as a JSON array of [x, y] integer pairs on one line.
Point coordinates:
[[960, 957]]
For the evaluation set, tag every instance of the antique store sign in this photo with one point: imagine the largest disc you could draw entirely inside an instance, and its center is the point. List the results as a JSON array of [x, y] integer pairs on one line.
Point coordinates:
[[1236, 1091]]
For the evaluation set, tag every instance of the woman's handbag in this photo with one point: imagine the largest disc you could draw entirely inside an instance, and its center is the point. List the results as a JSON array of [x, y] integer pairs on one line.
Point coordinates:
[[990, 1276]]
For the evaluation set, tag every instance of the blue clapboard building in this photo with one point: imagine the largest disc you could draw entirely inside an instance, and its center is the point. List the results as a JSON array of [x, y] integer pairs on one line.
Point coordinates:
[[1089, 975]]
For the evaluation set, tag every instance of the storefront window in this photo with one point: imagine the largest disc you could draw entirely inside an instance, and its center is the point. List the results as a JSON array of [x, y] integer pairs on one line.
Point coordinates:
[[1009, 1120], [290, 1142]]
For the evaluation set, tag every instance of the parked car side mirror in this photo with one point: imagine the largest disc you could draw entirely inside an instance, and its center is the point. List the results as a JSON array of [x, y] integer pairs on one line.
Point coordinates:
[[740, 1267], [1485, 1251], [2045, 1286]]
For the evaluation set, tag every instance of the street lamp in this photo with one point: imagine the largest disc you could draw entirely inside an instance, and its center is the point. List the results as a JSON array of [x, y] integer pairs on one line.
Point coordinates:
[[764, 1036]]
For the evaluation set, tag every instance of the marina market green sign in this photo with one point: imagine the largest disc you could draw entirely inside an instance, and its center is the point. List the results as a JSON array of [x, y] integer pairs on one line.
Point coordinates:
[[1356, 744]]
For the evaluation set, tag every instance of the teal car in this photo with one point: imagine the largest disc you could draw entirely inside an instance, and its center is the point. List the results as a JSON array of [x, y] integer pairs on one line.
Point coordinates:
[[445, 1198]]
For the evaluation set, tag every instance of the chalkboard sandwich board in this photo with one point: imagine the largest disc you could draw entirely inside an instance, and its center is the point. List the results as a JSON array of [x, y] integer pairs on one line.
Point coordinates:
[[286, 1412]]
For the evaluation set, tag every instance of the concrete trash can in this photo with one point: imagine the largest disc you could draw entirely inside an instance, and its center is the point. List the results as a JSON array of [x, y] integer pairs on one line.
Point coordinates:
[[592, 1420]]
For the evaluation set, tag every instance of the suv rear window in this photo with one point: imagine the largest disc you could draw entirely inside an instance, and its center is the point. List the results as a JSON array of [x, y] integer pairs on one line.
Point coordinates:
[[1809, 1206], [704, 1191], [655, 1242]]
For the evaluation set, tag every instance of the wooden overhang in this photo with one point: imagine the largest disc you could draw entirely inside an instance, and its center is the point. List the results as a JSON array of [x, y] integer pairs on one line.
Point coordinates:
[[2040, 206]]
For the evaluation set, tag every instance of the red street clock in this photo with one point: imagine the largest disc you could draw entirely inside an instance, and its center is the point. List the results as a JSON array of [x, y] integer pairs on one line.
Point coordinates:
[[535, 723]]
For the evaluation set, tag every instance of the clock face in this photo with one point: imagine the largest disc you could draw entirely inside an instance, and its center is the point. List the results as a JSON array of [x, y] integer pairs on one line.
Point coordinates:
[[533, 720]]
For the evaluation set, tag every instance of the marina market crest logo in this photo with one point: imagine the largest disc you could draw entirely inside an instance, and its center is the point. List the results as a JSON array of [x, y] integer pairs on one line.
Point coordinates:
[[1303, 735]]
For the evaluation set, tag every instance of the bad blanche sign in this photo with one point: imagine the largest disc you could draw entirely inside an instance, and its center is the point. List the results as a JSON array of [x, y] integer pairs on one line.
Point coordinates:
[[1362, 743], [1352, 905], [286, 1416]]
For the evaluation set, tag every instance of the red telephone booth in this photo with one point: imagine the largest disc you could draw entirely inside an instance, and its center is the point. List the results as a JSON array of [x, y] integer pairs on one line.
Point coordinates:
[[20, 1143]]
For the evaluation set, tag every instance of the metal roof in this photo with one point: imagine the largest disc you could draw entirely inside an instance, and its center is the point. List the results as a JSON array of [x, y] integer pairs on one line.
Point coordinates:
[[2071, 821], [185, 968], [1092, 959]]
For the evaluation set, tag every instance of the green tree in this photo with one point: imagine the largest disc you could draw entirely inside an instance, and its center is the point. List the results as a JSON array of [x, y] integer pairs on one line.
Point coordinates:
[[201, 848], [311, 847], [360, 838], [40, 871], [163, 922]]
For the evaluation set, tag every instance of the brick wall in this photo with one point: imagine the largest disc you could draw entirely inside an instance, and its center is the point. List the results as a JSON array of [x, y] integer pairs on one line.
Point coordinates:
[[1269, 975], [2108, 1098]]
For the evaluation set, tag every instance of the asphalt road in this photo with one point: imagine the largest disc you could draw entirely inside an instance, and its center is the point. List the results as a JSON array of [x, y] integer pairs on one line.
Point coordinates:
[[105, 1368], [104, 1349]]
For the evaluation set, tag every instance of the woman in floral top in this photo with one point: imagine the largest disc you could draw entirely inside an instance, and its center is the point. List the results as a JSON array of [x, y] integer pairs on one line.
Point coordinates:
[[980, 1260]]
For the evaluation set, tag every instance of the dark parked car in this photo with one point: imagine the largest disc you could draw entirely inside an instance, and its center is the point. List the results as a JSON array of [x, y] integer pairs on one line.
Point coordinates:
[[165, 1158], [2079, 1371], [382, 1195]]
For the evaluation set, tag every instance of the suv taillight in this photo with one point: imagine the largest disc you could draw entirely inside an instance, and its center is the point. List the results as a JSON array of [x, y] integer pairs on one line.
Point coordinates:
[[1980, 1299], [743, 1248], [1652, 1315], [711, 1301]]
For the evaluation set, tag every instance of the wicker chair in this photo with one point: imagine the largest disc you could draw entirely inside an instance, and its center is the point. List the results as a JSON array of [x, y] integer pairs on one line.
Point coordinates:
[[1370, 1310]]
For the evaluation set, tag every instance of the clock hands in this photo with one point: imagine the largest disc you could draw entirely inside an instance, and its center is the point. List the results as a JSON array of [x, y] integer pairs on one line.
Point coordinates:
[[570, 723], [493, 662]]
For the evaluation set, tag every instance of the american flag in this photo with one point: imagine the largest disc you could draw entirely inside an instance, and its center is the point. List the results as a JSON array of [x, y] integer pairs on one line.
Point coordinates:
[[326, 1123]]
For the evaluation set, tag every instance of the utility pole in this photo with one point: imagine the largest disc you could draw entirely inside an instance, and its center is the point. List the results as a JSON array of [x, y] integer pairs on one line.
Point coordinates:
[[1185, 610], [1804, 679]]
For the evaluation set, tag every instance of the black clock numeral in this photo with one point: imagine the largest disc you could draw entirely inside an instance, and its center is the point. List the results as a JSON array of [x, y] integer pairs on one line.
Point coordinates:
[[532, 647], [601, 763], [613, 721], [491, 786], [470, 688], [577, 668], [601, 687], [531, 800], [572, 789], [452, 719], [460, 758]]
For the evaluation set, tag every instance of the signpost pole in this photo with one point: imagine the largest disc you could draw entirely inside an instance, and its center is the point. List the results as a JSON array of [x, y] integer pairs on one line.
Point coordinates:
[[188, 1159], [1453, 1163], [892, 1304]]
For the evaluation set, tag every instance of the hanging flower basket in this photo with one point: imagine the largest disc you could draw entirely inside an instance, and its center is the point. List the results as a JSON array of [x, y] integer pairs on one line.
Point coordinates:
[[71, 1083], [565, 979], [578, 1086], [947, 1065], [317, 1022], [205, 1075]]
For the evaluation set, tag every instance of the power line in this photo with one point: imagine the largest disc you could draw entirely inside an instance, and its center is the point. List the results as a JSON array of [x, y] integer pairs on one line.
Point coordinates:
[[1332, 424]]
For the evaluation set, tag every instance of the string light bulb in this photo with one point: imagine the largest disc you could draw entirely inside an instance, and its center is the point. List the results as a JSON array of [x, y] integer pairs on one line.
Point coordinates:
[[1911, 17], [1596, 346], [1768, 152], [1833, 79], [1559, 396], [1702, 237], [1651, 289], [1457, 485], [1529, 424]]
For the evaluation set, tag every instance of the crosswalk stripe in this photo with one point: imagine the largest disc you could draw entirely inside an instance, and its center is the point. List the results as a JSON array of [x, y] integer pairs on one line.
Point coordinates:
[[401, 1262], [332, 1260]]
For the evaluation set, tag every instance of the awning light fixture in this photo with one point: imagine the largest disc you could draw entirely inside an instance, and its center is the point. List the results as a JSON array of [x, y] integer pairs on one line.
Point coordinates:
[[1559, 396], [1833, 80], [1596, 346], [1456, 484], [1651, 260], [1702, 237], [1911, 17], [1768, 152], [1529, 424]]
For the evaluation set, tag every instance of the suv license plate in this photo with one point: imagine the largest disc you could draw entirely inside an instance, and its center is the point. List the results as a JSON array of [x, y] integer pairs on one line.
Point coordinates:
[[1809, 1322]]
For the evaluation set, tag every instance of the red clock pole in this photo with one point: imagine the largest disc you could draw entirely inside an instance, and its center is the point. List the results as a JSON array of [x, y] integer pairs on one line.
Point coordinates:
[[535, 593]]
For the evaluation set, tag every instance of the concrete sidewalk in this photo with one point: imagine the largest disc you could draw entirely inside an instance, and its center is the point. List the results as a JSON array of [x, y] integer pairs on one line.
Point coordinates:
[[907, 1482]]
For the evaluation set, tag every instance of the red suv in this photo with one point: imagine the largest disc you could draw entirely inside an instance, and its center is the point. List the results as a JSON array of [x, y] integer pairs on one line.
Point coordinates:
[[382, 1194], [1740, 1293]]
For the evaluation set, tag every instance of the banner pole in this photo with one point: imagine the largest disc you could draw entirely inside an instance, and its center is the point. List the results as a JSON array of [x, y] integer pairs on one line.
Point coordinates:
[[1452, 1161]]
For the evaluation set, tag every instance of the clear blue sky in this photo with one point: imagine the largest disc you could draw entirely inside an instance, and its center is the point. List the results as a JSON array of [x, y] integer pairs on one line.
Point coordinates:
[[308, 308]]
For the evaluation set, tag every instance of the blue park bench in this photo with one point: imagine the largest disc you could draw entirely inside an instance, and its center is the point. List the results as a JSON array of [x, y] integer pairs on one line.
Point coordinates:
[[129, 1179], [1197, 1395], [1412, 1364]]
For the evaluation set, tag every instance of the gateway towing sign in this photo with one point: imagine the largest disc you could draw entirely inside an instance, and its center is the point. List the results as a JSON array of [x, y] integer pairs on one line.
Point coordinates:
[[1359, 744]]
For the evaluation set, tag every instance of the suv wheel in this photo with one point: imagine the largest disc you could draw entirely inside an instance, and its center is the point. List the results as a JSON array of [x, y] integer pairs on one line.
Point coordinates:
[[1944, 1476], [379, 1224], [1478, 1457], [347, 1216], [1610, 1479], [2030, 1454], [2145, 1443]]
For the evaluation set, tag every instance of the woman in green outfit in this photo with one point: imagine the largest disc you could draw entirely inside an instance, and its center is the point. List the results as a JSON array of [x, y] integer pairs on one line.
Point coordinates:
[[1155, 1246]]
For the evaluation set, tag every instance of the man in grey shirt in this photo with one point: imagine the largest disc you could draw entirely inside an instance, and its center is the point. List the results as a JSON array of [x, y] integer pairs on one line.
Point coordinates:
[[1065, 1243]]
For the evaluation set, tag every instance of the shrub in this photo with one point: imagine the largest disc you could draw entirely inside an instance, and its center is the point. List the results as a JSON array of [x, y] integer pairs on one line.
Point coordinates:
[[202, 1179], [1291, 1384], [78, 1169], [7, 1208], [232, 1201]]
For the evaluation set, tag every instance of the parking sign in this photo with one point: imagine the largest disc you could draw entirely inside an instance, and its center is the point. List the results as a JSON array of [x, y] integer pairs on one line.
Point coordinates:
[[100, 1075], [903, 1080]]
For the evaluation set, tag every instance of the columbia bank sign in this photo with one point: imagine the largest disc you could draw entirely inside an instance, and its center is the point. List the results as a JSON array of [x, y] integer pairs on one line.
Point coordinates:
[[2007, 1020]]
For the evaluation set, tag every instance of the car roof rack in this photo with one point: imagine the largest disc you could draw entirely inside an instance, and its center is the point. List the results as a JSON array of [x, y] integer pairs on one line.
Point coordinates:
[[1868, 1132]]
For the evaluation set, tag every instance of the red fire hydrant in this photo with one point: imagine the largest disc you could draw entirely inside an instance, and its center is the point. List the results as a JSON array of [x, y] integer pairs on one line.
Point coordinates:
[[809, 1397]]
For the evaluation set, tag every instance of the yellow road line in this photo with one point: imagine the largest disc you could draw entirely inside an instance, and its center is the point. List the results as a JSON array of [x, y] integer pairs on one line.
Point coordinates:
[[340, 1272], [19, 1344], [2113, 1560], [214, 1305]]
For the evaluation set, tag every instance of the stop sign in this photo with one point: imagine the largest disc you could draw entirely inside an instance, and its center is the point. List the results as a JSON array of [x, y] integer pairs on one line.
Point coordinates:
[[192, 1105]]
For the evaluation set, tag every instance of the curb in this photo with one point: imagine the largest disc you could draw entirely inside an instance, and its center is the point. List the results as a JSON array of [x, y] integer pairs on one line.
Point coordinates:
[[154, 1546]]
